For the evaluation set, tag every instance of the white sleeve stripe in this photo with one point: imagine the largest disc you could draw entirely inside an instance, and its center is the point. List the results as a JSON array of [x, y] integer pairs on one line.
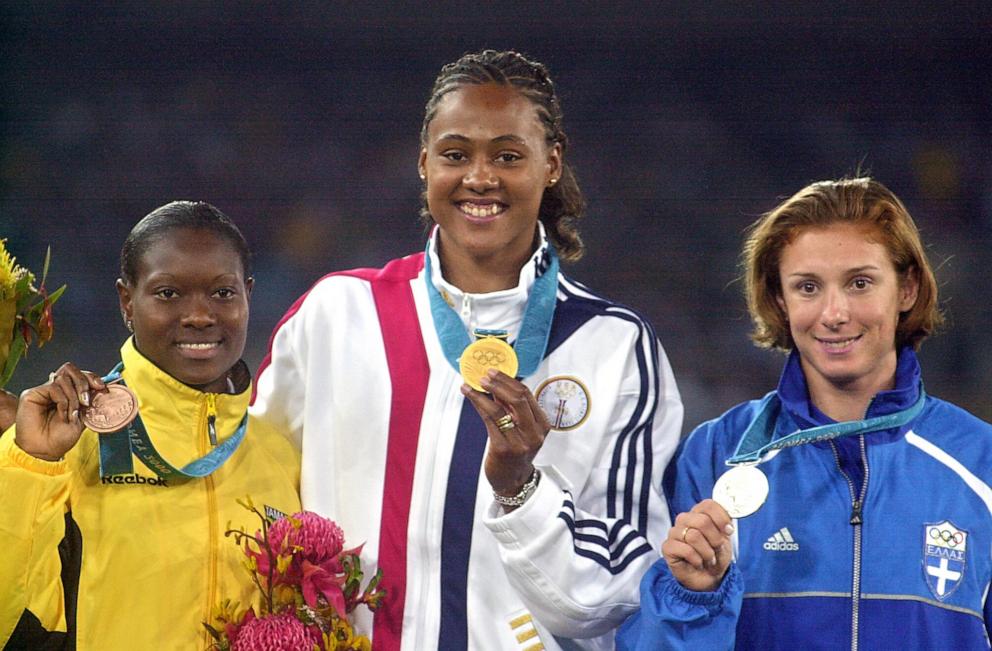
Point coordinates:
[[979, 487]]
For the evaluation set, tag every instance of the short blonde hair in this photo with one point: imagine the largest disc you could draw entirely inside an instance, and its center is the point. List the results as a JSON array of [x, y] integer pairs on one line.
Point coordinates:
[[860, 201]]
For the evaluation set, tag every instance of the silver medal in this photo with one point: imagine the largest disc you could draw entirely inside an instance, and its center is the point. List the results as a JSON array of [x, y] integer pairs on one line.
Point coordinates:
[[741, 490]]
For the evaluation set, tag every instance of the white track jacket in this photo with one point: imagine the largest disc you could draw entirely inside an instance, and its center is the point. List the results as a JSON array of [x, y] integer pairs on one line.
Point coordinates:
[[393, 453]]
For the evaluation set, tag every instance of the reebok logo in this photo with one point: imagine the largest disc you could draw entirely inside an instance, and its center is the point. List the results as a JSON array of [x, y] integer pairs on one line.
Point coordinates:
[[133, 479], [781, 541]]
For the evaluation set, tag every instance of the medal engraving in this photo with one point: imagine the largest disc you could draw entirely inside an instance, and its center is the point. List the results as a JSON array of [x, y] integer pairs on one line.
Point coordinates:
[[741, 490], [484, 354], [110, 410]]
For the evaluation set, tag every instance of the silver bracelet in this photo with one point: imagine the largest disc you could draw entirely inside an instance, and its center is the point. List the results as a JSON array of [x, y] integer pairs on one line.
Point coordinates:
[[525, 491]]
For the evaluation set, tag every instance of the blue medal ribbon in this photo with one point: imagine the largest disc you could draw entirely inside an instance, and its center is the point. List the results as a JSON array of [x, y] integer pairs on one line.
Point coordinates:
[[534, 330], [116, 448], [757, 438]]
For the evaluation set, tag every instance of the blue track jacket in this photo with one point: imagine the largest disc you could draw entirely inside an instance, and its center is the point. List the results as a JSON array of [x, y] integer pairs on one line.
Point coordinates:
[[873, 541]]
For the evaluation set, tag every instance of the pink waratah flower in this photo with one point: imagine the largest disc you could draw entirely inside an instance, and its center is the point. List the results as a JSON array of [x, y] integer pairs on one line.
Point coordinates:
[[320, 538], [282, 632], [316, 567]]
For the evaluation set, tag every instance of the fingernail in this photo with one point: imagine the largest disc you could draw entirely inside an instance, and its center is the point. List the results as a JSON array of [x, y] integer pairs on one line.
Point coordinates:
[[84, 398], [485, 383], [75, 415], [492, 373], [729, 529], [465, 389], [713, 561]]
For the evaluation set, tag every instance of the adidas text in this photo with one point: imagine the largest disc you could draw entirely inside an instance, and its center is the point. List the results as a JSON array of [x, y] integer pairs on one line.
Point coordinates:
[[781, 541], [781, 546]]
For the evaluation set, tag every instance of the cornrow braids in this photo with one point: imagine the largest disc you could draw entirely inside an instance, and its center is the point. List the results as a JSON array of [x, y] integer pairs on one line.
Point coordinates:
[[562, 205]]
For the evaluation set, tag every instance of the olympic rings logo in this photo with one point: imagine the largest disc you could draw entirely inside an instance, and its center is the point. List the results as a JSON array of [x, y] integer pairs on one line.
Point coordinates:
[[953, 539], [489, 357]]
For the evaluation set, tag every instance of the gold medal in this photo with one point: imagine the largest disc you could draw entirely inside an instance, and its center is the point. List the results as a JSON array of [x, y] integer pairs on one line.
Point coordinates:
[[484, 354]]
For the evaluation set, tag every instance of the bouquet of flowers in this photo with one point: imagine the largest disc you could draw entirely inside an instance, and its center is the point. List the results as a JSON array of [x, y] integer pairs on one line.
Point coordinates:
[[25, 311], [309, 583]]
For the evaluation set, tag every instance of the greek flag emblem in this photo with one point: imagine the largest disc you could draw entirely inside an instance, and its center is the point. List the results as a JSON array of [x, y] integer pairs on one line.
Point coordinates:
[[944, 557]]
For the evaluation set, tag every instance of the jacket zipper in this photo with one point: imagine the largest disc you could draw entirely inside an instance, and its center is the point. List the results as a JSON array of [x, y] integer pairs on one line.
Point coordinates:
[[212, 418], [208, 438], [856, 521]]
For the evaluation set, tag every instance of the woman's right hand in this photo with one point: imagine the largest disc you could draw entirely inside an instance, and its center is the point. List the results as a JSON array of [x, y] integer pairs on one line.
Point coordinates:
[[48, 423], [698, 549]]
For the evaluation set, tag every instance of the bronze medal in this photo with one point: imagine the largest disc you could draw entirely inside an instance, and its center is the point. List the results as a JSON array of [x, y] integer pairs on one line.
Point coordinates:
[[484, 354], [110, 410]]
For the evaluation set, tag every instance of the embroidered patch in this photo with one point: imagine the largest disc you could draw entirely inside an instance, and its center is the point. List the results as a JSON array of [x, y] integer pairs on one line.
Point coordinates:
[[944, 557], [565, 401]]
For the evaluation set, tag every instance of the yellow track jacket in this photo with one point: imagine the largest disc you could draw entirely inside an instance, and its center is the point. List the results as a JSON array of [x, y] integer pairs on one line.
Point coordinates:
[[132, 561]]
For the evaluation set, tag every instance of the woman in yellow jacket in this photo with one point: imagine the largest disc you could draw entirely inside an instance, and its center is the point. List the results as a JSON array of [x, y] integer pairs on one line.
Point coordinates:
[[116, 540]]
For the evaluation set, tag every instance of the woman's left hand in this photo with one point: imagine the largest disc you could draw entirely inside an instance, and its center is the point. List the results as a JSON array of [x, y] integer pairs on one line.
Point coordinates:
[[509, 462]]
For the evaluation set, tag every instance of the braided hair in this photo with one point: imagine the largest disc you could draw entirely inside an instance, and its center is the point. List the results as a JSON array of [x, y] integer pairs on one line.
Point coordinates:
[[562, 204]]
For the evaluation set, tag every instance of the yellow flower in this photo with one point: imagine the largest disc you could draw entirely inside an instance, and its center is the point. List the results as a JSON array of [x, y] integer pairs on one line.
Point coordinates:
[[9, 272]]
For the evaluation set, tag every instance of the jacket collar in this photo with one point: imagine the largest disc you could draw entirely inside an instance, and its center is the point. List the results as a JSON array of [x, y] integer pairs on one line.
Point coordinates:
[[152, 385], [500, 310], [794, 392]]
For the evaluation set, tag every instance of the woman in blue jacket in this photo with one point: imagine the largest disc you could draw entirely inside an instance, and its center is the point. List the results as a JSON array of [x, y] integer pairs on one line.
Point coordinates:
[[877, 524]]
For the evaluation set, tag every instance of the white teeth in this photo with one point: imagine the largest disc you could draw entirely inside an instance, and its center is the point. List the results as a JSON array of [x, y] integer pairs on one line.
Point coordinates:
[[838, 344], [481, 211], [198, 346]]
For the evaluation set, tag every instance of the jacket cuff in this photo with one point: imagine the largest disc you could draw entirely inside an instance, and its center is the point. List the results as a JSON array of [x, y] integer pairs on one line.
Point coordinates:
[[22, 459], [730, 585], [531, 518]]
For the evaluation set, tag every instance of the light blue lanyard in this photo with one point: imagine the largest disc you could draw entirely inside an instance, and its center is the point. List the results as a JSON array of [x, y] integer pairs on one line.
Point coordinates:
[[116, 449], [757, 438], [534, 330]]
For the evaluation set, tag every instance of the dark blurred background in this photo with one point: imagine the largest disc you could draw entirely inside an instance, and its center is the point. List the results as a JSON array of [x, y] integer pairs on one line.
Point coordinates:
[[687, 121]]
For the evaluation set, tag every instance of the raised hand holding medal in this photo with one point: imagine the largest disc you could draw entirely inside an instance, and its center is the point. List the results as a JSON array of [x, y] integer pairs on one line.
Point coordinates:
[[49, 421], [515, 423], [485, 353]]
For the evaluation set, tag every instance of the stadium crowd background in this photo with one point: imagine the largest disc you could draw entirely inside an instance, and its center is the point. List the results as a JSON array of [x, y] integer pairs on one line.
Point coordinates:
[[687, 121]]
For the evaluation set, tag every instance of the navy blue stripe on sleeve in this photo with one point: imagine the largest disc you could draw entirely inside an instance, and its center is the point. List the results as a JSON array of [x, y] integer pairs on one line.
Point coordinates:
[[634, 446]]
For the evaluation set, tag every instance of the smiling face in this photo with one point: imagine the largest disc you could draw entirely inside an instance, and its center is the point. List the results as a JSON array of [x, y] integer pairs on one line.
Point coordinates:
[[843, 297], [486, 163], [189, 306]]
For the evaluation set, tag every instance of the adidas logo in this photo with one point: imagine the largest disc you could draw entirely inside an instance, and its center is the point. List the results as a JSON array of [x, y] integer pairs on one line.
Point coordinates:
[[781, 541]]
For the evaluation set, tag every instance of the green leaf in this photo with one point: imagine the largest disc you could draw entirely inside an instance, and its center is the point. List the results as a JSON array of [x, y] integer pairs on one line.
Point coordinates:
[[44, 270], [54, 296], [17, 350], [214, 633]]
